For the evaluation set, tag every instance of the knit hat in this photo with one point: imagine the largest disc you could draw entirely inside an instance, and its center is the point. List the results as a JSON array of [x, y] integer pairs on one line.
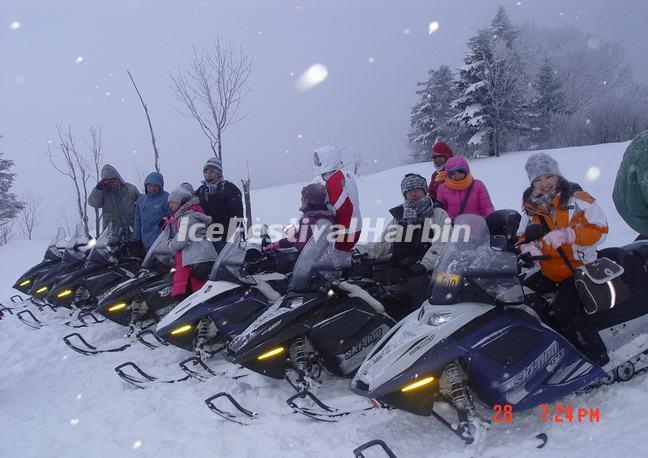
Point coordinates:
[[180, 195], [541, 164], [413, 181], [315, 194], [188, 187], [213, 163], [441, 149], [457, 164]]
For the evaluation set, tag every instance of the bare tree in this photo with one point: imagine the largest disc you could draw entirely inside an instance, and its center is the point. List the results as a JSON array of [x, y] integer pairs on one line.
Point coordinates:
[[357, 163], [95, 147], [247, 198], [212, 88], [74, 166], [156, 152], [29, 215]]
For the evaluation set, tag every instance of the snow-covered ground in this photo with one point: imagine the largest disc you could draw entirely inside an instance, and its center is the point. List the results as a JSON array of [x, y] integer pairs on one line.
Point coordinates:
[[55, 402]]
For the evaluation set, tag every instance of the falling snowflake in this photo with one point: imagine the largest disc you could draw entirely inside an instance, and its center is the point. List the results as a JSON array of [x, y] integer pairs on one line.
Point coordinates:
[[15, 25], [593, 173], [407, 31], [371, 60], [300, 136], [588, 121], [79, 59], [519, 3], [433, 27], [315, 75], [78, 396], [137, 444], [74, 421]]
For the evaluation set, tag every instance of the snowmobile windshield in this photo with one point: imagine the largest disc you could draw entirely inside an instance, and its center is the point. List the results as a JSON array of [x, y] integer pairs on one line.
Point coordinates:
[[319, 257], [102, 249], [230, 261], [74, 248], [160, 252], [469, 270], [56, 246]]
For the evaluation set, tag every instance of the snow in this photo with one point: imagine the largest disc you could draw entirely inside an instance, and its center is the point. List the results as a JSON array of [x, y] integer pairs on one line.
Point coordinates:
[[55, 402]]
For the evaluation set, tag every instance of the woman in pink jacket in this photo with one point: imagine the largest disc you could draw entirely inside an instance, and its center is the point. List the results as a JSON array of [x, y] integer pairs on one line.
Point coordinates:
[[460, 193]]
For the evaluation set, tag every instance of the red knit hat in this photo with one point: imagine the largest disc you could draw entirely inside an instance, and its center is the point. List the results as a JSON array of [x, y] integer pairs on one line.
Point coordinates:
[[442, 149]]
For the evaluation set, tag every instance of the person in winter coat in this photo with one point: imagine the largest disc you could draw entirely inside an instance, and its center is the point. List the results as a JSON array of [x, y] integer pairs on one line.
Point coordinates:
[[631, 186], [460, 193], [575, 225], [150, 210], [411, 259], [220, 199], [342, 192], [441, 152], [314, 210], [116, 199], [193, 258]]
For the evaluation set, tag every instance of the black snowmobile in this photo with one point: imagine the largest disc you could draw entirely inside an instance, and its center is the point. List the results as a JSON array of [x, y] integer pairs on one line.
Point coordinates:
[[73, 258], [143, 300], [323, 323], [52, 258], [108, 264]]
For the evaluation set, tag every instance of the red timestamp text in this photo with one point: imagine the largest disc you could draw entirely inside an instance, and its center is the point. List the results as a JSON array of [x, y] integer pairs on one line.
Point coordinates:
[[559, 413]]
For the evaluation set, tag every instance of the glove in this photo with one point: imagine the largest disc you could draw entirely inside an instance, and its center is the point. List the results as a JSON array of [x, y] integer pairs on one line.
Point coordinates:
[[559, 237], [417, 270], [273, 246], [530, 248], [103, 184]]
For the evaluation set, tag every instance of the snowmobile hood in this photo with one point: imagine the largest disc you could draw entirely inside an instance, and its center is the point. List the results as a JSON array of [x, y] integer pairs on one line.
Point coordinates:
[[412, 338], [209, 290]]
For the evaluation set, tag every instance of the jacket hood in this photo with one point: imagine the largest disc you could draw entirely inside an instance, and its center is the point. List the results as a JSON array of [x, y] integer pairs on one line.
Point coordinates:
[[108, 172], [457, 161], [154, 178], [330, 158]]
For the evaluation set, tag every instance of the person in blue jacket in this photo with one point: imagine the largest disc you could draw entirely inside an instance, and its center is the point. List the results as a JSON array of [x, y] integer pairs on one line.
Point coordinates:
[[151, 208]]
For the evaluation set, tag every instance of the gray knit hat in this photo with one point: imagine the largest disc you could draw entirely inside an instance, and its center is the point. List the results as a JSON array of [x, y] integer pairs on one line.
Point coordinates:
[[213, 163], [541, 164], [180, 195], [188, 187], [413, 181]]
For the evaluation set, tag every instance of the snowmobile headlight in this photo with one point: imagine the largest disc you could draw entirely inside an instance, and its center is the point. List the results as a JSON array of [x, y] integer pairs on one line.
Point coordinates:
[[65, 293], [182, 329], [42, 289], [438, 319], [117, 307], [417, 384], [271, 353], [25, 282]]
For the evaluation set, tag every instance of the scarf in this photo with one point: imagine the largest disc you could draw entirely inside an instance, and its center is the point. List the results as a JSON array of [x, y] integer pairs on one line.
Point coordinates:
[[459, 185], [441, 176], [414, 211], [212, 186], [541, 204]]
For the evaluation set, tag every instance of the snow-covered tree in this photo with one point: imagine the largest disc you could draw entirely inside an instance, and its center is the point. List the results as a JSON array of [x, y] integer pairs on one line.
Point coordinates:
[[10, 206], [431, 118], [548, 101], [493, 96]]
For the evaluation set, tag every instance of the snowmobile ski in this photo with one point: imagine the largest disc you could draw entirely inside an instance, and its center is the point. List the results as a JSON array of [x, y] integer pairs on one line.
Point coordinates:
[[203, 371], [142, 378], [229, 416], [28, 318], [373, 443], [146, 343], [322, 411], [81, 321], [88, 349]]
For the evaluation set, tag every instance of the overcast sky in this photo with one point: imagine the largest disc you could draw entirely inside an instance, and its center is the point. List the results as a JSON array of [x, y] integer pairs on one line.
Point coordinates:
[[65, 61]]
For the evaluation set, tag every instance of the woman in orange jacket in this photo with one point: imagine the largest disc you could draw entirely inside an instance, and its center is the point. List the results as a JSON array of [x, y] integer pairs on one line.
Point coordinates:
[[575, 225]]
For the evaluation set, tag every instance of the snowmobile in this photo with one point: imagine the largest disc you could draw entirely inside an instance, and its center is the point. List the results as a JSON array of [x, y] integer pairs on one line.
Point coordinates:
[[73, 258], [477, 338], [53, 256], [243, 283], [143, 300], [107, 265], [323, 323]]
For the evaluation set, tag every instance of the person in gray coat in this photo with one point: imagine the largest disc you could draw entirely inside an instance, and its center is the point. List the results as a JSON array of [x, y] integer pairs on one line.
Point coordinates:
[[194, 255], [116, 199]]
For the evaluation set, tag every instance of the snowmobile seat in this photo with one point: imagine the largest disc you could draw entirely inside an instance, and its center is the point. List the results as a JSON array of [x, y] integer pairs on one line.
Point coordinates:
[[639, 248]]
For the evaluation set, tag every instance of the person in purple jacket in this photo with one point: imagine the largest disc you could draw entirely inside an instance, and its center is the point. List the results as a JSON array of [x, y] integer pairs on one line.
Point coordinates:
[[314, 209], [460, 193]]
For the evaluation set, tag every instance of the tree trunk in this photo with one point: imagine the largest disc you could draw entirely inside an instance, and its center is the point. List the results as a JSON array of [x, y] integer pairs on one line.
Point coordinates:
[[248, 202]]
